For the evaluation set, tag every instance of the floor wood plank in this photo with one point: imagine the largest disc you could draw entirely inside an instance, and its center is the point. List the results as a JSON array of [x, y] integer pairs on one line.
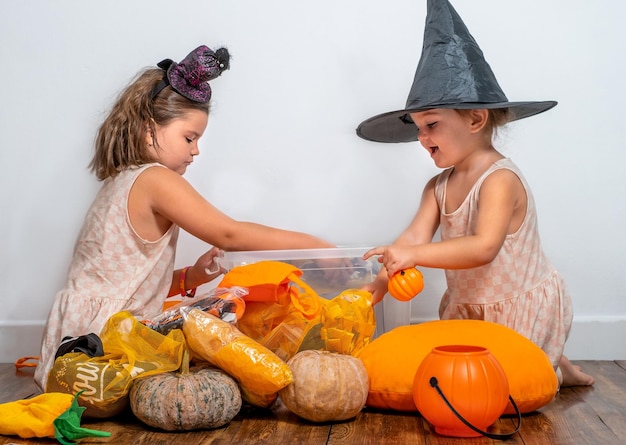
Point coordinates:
[[380, 427], [606, 396], [577, 416], [567, 420], [16, 384]]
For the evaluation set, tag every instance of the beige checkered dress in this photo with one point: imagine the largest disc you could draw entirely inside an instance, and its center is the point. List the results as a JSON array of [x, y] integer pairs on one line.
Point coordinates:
[[520, 288], [113, 269]]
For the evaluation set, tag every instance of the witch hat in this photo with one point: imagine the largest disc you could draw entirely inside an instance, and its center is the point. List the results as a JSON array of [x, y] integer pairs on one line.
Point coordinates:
[[452, 73]]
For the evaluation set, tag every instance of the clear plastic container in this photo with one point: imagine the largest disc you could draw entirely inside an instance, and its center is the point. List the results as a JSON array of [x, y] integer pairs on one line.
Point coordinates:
[[353, 273], [328, 271]]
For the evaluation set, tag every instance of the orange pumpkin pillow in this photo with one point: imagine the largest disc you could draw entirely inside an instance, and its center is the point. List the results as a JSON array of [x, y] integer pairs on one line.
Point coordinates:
[[392, 360]]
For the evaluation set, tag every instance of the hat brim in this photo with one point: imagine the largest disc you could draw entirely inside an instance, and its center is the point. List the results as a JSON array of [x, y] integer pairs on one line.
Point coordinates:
[[397, 126]]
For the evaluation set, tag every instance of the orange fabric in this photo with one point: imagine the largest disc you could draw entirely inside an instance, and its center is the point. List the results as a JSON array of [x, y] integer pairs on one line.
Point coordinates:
[[272, 281], [392, 360], [266, 280]]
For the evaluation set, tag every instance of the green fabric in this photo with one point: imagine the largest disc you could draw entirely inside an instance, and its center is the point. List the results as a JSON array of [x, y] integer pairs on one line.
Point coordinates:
[[67, 427]]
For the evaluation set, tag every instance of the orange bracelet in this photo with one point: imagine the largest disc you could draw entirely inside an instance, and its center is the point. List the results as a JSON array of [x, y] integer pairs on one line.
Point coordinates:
[[183, 289]]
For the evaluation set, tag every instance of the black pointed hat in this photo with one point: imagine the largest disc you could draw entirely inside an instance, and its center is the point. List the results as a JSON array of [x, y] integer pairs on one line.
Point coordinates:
[[452, 73]]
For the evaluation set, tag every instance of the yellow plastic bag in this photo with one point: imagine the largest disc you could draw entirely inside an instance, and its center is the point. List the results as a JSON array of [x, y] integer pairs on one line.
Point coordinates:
[[345, 325], [348, 322], [285, 339], [131, 350], [259, 372]]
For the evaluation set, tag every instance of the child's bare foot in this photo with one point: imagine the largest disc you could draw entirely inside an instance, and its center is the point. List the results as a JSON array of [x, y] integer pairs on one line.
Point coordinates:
[[573, 375]]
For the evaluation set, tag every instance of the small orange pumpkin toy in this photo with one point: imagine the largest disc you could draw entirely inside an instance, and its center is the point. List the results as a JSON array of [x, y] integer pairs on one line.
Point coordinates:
[[406, 284]]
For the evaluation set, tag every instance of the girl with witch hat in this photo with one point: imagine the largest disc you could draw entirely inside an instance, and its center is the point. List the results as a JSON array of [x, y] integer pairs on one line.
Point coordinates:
[[490, 248]]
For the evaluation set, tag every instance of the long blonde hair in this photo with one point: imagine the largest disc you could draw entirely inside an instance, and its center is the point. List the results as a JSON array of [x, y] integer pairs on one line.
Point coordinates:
[[121, 139]]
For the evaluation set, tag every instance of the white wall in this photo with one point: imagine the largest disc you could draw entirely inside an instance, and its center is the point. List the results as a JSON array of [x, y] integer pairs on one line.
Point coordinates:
[[281, 147]]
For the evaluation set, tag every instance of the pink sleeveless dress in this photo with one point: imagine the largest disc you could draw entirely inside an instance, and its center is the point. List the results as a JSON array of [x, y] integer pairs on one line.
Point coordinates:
[[113, 269], [520, 288]]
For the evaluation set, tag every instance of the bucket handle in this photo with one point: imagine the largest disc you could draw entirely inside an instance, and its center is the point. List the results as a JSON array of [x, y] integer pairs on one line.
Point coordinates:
[[435, 384]]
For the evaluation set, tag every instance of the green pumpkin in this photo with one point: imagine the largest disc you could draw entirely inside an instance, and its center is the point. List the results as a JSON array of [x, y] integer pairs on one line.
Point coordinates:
[[200, 397]]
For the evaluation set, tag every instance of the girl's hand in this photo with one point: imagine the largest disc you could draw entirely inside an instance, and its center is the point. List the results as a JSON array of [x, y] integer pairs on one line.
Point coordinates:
[[336, 270], [378, 289], [207, 268], [394, 257]]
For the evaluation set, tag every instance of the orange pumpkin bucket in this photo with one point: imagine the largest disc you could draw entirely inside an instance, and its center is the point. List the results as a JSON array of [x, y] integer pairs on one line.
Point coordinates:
[[462, 390]]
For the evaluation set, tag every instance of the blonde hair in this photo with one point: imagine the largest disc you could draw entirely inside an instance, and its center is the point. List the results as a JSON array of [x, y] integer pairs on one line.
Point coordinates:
[[496, 119], [121, 139]]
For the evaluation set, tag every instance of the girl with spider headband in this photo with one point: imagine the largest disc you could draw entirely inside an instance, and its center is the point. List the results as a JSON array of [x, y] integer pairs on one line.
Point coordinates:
[[124, 256], [490, 248]]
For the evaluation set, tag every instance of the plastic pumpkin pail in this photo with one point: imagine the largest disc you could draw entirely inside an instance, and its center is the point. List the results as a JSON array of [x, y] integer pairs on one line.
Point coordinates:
[[475, 387]]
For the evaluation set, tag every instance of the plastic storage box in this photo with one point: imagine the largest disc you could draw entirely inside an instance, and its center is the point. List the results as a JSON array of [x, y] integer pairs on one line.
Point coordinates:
[[328, 271]]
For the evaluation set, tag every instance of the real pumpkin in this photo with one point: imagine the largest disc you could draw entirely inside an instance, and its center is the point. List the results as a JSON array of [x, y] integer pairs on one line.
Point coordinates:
[[327, 386], [195, 398]]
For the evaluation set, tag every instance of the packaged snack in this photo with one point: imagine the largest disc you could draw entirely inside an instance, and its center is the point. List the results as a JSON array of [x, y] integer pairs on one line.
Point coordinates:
[[259, 372], [225, 303]]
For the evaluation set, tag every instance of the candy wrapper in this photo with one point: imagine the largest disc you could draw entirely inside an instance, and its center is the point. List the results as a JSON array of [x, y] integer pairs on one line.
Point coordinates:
[[227, 304]]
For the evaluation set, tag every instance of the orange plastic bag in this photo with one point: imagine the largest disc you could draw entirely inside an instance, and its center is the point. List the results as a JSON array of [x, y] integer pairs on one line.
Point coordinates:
[[274, 282]]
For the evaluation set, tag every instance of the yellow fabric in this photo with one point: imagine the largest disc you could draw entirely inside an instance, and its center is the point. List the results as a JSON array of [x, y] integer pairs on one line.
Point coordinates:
[[33, 417], [392, 361]]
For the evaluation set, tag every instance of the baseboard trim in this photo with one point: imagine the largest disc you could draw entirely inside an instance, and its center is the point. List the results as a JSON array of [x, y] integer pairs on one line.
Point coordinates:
[[592, 338], [19, 339], [597, 339]]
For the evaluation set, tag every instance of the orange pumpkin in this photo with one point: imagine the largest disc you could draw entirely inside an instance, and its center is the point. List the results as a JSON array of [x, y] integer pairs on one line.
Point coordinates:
[[406, 284]]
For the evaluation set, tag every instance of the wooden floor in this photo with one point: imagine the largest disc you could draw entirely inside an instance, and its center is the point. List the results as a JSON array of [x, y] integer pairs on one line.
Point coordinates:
[[579, 416]]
